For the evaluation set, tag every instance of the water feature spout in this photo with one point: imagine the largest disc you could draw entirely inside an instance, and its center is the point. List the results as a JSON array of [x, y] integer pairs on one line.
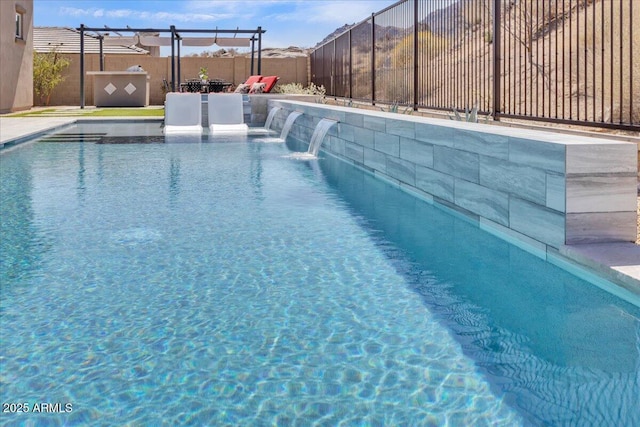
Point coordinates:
[[289, 123], [318, 135], [270, 117]]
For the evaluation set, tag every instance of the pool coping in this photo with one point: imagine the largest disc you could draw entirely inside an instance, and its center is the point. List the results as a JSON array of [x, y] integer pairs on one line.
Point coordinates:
[[615, 262]]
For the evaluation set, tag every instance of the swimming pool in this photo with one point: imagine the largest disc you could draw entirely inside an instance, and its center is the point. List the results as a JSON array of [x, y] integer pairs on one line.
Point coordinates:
[[225, 283]]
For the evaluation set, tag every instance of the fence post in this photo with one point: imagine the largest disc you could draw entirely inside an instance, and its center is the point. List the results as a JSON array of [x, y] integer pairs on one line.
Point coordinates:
[[334, 71], [373, 59], [496, 59], [350, 67], [415, 55]]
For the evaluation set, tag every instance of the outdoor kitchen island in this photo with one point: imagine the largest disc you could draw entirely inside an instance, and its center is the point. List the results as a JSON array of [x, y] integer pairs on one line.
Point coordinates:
[[120, 88]]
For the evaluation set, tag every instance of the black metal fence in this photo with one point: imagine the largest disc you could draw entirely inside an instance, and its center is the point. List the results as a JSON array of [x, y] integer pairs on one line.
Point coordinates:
[[569, 61]]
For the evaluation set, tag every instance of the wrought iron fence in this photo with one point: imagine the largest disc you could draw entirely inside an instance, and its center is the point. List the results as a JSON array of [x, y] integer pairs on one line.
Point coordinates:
[[569, 61]]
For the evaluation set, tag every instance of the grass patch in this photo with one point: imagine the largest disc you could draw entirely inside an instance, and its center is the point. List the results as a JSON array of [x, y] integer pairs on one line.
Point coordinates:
[[94, 112], [32, 113], [127, 112]]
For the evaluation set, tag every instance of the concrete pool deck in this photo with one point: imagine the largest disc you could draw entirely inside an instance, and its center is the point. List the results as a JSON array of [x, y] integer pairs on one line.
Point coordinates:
[[18, 128], [618, 262]]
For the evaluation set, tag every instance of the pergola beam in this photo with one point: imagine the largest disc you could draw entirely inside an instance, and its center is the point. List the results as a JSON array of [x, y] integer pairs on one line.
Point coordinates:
[[175, 36]]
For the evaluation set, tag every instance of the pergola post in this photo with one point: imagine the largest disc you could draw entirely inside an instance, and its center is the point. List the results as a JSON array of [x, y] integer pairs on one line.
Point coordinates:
[[81, 65], [259, 50], [173, 60], [253, 49], [101, 38], [179, 39]]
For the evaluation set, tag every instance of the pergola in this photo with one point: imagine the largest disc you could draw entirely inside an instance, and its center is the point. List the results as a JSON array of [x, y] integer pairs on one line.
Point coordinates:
[[148, 37]]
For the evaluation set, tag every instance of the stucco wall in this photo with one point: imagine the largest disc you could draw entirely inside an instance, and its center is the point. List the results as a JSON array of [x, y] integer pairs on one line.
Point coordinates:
[[544, 188], [16, 56], [234, 70]]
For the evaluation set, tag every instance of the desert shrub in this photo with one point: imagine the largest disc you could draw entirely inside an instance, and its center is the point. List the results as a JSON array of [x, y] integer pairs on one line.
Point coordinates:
[[47, 73], [394, 72], [297, 88], [429, 46]]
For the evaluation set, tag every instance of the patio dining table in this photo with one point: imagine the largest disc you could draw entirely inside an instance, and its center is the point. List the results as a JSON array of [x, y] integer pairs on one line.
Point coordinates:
[[196, 86]]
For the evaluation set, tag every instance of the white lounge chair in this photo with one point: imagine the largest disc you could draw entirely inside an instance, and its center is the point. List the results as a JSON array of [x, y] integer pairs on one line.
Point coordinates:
[[183, 113], [226, 113]]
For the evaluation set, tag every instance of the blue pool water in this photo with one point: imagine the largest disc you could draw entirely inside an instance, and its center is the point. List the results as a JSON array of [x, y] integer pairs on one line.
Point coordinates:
[[224, 283]]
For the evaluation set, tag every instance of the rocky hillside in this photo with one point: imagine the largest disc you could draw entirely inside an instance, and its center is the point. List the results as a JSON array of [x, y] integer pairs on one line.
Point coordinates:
[[335, 34]]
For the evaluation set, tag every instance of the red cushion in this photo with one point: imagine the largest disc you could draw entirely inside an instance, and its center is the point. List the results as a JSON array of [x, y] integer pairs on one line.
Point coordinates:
[[270, 82], [252, 79]]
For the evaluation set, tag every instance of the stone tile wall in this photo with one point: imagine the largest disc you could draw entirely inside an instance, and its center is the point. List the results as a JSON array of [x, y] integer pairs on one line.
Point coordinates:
[[542, 187]]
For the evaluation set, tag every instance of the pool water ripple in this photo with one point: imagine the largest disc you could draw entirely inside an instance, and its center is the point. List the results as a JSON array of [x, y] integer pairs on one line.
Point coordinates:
[[228, 284]]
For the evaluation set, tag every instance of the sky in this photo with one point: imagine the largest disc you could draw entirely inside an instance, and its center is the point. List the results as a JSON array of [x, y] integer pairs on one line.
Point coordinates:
[[301, 23]]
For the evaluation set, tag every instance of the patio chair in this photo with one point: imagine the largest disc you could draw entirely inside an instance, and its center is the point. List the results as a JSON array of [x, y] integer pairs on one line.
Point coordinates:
[[270, 82], [253, 79], [218, 85], [257, 84], [245, 87], [193, 86], [166, 86]]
